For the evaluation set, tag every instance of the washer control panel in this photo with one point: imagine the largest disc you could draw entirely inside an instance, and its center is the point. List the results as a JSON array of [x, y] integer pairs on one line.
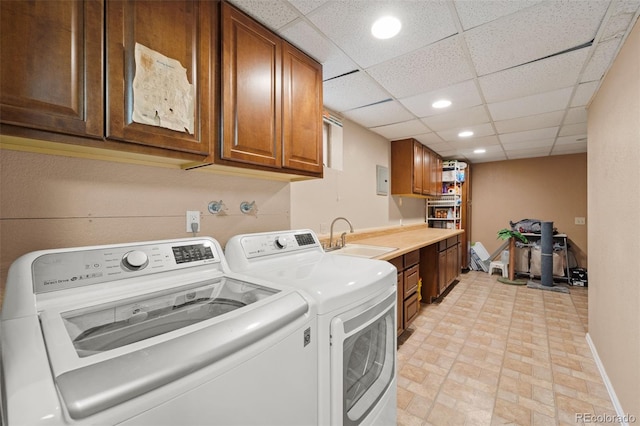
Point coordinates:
[[75, 268], [257, 245]]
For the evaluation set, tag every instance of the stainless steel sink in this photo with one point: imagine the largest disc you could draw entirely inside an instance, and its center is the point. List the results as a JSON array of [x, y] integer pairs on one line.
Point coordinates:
[[363, 250]]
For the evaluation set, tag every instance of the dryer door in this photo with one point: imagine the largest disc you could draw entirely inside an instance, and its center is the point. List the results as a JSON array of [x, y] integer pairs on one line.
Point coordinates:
[[363, 360]]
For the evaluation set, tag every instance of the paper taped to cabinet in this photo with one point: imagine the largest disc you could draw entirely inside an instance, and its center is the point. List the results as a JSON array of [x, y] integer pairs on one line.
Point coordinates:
[[162, 95]]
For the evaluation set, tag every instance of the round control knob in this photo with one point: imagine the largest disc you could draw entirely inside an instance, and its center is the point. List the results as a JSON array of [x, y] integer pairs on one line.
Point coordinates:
[[135, 260], [281, 242]]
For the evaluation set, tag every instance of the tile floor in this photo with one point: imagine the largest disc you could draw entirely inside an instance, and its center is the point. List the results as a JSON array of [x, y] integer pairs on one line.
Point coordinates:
[[492, 353]]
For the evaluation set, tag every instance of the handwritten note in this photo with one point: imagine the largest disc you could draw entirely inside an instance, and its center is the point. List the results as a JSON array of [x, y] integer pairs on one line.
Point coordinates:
[[162, 95]]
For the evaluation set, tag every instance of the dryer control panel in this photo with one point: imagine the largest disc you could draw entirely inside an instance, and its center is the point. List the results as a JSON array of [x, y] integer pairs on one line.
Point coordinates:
[[272, 243], [60, 270]]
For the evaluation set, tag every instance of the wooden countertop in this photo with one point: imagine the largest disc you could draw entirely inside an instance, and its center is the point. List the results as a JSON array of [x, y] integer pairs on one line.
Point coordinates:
[[404, 239]]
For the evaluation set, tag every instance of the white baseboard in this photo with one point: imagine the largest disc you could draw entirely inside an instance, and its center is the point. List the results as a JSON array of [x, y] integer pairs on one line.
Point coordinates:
[[607, 382]]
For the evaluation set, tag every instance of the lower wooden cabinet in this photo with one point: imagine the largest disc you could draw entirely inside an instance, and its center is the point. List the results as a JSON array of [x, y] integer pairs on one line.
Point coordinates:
[[408, 267], [440, 267]]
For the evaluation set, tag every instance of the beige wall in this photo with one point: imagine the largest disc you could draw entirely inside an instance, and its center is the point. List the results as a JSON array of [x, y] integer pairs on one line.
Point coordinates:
[[546, 188], [50, 201], [614, 209], [351, 192]]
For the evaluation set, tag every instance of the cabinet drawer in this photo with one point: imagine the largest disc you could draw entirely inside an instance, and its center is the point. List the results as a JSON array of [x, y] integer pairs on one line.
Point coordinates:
[[411, 258], [452, 241], [411, 309], [442, 245], [411, 277]]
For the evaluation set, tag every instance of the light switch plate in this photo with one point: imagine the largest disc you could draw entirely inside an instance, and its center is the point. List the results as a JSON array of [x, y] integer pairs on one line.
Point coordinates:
[[580, 221]]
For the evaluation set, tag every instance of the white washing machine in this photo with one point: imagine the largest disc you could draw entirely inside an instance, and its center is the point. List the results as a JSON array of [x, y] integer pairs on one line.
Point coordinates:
[[154, 333], [356, 300]]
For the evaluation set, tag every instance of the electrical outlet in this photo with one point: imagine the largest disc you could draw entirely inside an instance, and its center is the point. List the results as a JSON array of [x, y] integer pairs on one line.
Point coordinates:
[[193, 217], [580, 221]]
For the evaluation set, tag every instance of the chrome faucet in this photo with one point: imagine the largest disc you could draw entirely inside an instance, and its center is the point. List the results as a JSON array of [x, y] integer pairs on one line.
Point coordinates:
[[344, 234]]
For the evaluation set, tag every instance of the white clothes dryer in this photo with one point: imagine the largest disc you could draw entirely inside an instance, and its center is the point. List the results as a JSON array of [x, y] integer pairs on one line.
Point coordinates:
[[153, 333], [356, 300]]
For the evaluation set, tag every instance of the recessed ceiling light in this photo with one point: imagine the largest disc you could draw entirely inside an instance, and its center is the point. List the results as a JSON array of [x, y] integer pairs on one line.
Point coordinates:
[[386, 27], [479, 151], [465, 134], [442, 103]]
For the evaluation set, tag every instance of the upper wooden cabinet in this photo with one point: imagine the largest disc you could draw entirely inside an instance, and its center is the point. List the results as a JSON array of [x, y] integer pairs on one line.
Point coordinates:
[[416, 171], [182, 30], [70, 68], [51, 66], [251, 94], [301, 111], [271, 98]]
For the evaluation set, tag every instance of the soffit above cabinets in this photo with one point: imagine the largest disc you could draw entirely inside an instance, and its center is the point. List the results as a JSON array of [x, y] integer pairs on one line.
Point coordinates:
[[519, 73]]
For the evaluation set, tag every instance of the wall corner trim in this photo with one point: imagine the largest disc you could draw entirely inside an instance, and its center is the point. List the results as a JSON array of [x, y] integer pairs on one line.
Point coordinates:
[[612, 393]]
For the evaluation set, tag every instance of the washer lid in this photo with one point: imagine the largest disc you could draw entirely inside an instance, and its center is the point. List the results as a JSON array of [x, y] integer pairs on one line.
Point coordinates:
[[104, 355], [333, 280]]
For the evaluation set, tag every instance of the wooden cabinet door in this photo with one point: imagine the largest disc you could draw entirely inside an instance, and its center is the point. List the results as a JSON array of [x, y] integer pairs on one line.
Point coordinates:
[[251, 91], [51, 66], [442, 271], [301, 111], [183, 30], [436, 174], [417, 167], [427, 188], [452, 261]]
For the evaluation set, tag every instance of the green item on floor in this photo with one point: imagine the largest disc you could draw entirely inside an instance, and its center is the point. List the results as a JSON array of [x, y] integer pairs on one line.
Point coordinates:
[[512, 282]]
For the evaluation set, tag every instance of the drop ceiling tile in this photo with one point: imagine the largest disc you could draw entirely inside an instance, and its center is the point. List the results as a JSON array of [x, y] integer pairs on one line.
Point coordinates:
[[272, 13], [532, 122], [462, 95], [431, 139], [348, 24], [473, 13], [573, 129], [379, 114], [455, 119], [529, 135], [401, 130], [484, 158], [584, 93], [476, 142], [576, 148], [576, 115], [533, 33], [334, 61], [446, 154], [620, 19], [528, 153], [529, 145], [306, 6], [489, 150], [537, 77], [479, 130], [531, 105], [432, 67], [601, 60], [571, 140], [351, 91]]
